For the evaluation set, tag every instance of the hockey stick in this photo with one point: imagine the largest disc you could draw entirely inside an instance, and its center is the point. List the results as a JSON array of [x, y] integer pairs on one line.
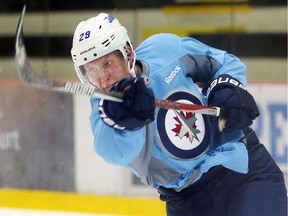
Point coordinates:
[[30, 78]]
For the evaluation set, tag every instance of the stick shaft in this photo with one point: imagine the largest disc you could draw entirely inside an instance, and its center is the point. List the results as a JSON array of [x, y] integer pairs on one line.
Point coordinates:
[[207, 110], [77, 88]]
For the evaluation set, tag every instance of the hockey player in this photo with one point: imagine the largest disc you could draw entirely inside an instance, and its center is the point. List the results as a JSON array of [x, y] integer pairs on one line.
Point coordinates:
[[197, 168]]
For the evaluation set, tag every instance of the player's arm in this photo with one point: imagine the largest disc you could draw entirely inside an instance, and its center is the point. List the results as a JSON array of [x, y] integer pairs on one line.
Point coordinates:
[[222, 77], [228, 91], [118, 128], [115, 146], [204, 68]]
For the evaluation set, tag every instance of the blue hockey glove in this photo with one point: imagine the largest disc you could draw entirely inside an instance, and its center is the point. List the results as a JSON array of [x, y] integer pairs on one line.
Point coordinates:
[[238, 107], [137, 108]]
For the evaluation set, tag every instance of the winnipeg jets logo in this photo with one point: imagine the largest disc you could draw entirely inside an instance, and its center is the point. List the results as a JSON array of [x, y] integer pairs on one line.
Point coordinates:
[[186, 125], [183, 134]]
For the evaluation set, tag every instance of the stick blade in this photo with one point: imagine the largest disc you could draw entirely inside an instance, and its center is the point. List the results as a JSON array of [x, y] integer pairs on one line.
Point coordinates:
[[24, 68]]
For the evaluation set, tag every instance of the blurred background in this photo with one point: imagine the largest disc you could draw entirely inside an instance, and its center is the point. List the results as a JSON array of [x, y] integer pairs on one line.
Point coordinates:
[[46, 147]]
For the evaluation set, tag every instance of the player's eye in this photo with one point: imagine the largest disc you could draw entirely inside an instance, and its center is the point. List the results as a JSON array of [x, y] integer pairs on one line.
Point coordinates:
[[107, 63], [92, 69]]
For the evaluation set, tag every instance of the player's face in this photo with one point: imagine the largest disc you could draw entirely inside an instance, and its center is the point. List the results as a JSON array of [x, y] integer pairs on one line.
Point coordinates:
[[107, 70]]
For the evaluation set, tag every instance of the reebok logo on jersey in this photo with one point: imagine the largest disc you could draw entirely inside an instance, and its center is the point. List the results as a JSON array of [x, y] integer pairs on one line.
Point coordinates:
[[172, 74]]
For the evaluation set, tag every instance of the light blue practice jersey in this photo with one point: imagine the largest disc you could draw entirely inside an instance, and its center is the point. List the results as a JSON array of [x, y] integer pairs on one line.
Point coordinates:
[[179, 146]]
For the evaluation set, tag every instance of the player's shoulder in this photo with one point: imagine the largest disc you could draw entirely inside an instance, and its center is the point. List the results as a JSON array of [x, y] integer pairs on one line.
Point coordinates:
[[160, 42], [163, 38]]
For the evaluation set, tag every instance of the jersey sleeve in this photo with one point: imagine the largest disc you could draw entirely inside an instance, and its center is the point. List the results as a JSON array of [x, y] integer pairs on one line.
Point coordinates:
[[206, 63], [118, 147]]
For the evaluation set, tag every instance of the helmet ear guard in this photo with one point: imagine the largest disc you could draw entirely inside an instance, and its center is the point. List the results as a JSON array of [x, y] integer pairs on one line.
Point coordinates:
[[128, 57], [99, 36]]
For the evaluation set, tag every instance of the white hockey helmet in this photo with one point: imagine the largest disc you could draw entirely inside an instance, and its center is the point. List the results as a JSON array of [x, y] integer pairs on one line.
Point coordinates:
[[97, 37]]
